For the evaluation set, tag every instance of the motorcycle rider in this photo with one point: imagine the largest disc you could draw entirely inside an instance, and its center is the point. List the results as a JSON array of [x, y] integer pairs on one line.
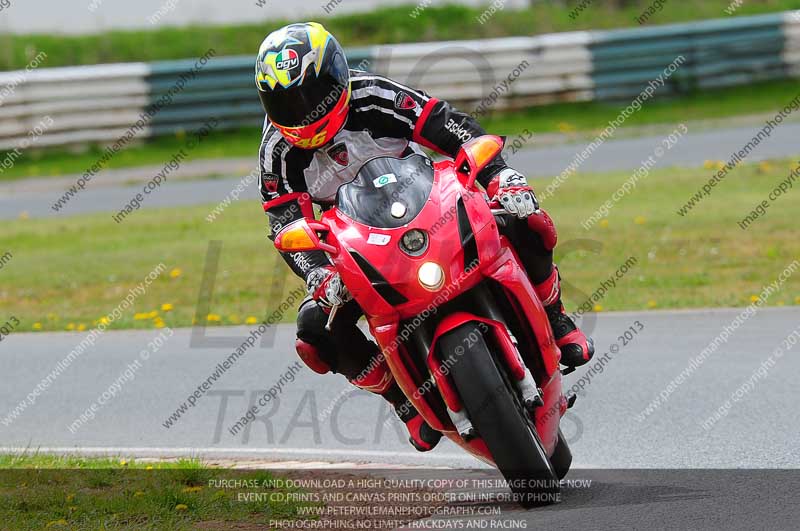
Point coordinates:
[[323, 121]]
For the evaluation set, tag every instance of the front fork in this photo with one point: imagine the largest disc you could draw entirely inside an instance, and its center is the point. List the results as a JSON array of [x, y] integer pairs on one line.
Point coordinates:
[[529, 390], [519, 374], [491, 320], [422, 340]]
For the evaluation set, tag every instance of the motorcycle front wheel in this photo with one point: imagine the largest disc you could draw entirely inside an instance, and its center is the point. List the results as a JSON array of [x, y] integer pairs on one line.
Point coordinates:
[[498, 416]]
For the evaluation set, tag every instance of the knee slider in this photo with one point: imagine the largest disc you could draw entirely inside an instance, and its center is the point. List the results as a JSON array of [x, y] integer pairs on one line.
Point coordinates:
[[542, 224]]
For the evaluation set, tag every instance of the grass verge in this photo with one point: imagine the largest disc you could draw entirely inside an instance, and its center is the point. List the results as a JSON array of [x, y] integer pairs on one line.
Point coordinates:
[[53, 492], [570, 118], [384, 25], [67, 273]]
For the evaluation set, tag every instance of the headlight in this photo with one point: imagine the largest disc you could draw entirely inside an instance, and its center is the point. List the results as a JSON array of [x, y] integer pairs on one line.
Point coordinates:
[[431, 276], [414, 242]]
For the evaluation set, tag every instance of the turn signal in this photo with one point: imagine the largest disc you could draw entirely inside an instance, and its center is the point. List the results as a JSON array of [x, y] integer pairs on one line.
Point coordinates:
[[295, 237]]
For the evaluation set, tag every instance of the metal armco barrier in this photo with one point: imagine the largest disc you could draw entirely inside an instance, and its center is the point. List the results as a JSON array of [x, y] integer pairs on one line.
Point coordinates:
[[98, 104]]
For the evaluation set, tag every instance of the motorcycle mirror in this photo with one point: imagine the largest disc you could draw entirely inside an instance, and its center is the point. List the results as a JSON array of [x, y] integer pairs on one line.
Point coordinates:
[[301, 235], [475, 155]]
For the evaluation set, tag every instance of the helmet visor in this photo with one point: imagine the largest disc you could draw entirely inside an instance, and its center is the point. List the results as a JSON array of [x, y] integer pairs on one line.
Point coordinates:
[[308, 101]]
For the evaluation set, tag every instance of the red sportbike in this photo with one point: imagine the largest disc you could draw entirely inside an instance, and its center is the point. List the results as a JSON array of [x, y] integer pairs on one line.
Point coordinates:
[[419, 246]]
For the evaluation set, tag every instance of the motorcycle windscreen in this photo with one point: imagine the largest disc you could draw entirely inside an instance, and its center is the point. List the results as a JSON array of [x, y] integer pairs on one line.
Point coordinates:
[[387, 192]]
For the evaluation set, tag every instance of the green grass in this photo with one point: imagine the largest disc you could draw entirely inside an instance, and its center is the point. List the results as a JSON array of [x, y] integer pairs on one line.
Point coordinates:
[[35, 460], [578, 118], [53, 492], [385, 25], [101, 261], [700, 260], [66, 273]]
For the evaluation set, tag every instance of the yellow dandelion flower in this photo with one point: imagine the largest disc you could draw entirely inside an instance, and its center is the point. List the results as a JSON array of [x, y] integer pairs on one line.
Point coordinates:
[[54, 523], [708, 164], [754, 298], [71, 326], [175, 273], [81, 327], [764, 167], [141, 316], [213, 317], [192, 489], [604, 223], [166, 307], [158, 323], [37, 326], [598, 308], [104, 321], [181, 507], [565, 127], [153, 314], [149, 467], [250, 320], [652, 304], [720, 164], [797, 300], [639, 220], [123, 462]]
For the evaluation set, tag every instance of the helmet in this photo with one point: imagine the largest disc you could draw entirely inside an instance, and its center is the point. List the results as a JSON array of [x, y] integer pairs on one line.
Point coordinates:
[[304, 83]]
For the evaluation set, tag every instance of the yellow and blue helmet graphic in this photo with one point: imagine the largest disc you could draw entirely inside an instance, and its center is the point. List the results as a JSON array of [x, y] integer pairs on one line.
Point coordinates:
[[286, 54]]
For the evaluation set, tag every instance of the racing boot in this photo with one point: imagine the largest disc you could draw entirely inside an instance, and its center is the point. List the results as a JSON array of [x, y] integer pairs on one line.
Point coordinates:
[[421, 435], [576, 348], [376, 378]]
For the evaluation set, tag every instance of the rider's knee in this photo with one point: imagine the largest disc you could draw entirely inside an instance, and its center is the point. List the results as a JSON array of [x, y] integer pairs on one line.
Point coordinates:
[[311, 345], [311, 321], [542, 224], [312, 357]]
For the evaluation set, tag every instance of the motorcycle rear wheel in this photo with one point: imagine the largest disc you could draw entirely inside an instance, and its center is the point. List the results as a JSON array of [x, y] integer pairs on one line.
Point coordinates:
[[499, 418]]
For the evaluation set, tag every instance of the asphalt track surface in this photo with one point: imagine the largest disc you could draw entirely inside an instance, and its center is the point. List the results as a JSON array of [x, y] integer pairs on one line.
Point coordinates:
[[36, 197], [321, 419]]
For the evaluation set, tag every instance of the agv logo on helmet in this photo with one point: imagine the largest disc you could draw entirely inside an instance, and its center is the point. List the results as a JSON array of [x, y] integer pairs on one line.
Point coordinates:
[[286, 60]]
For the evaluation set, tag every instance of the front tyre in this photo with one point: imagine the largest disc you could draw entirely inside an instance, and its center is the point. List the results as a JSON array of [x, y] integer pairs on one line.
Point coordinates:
[[498, 416], [562, 456]]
